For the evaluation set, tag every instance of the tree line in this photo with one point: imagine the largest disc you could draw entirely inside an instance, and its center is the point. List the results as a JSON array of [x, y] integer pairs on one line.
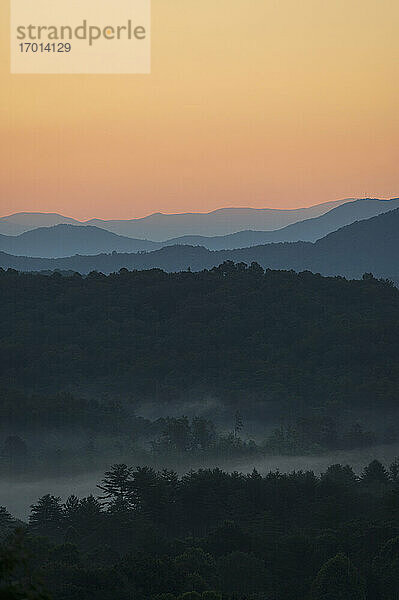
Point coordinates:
[[80, 444], [213, 535], [236, 332]]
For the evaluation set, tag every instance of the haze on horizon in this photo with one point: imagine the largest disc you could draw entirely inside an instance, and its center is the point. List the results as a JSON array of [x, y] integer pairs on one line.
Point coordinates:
[[283, 105], [28, 214]]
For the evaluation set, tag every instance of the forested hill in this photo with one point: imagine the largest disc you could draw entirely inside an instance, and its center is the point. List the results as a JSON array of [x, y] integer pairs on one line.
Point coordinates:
[[234, 332], [368, 245]]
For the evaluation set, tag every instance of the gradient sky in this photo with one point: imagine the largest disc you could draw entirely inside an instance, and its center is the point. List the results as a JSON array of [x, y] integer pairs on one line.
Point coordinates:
[[264, 103]]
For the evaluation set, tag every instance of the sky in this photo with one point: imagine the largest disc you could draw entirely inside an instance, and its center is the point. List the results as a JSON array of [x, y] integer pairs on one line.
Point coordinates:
[[262, 103]]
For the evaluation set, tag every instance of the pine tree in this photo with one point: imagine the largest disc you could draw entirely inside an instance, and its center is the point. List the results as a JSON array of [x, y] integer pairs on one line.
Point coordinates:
[[71, 509], [47, 515], [375, 473], [6, 520], [117, 485]]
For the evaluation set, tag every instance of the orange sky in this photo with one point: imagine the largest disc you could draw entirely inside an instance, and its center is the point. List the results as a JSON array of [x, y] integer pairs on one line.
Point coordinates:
[[278, 103]]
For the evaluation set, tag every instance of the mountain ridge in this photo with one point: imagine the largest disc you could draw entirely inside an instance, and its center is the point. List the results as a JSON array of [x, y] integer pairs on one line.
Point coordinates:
[[308, 230], [154, 226], [371, 245], [65, 240]]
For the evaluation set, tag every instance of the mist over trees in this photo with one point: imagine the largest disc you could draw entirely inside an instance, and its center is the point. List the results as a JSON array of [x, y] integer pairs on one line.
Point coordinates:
[[303, 355], [212, 535]]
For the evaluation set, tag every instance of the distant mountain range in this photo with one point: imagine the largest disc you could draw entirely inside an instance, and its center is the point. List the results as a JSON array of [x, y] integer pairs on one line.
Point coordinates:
[[65, 240], [21, 222], [308, 230], [160, 227], [371, 245]]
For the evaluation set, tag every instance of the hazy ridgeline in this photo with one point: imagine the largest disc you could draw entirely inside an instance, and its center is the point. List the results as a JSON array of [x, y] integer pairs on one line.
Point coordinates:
[[54, 236], [370, 244]]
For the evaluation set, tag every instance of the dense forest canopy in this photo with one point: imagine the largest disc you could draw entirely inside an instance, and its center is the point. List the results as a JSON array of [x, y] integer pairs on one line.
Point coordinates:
[[211, 535], [234, 331], [79, 354]]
